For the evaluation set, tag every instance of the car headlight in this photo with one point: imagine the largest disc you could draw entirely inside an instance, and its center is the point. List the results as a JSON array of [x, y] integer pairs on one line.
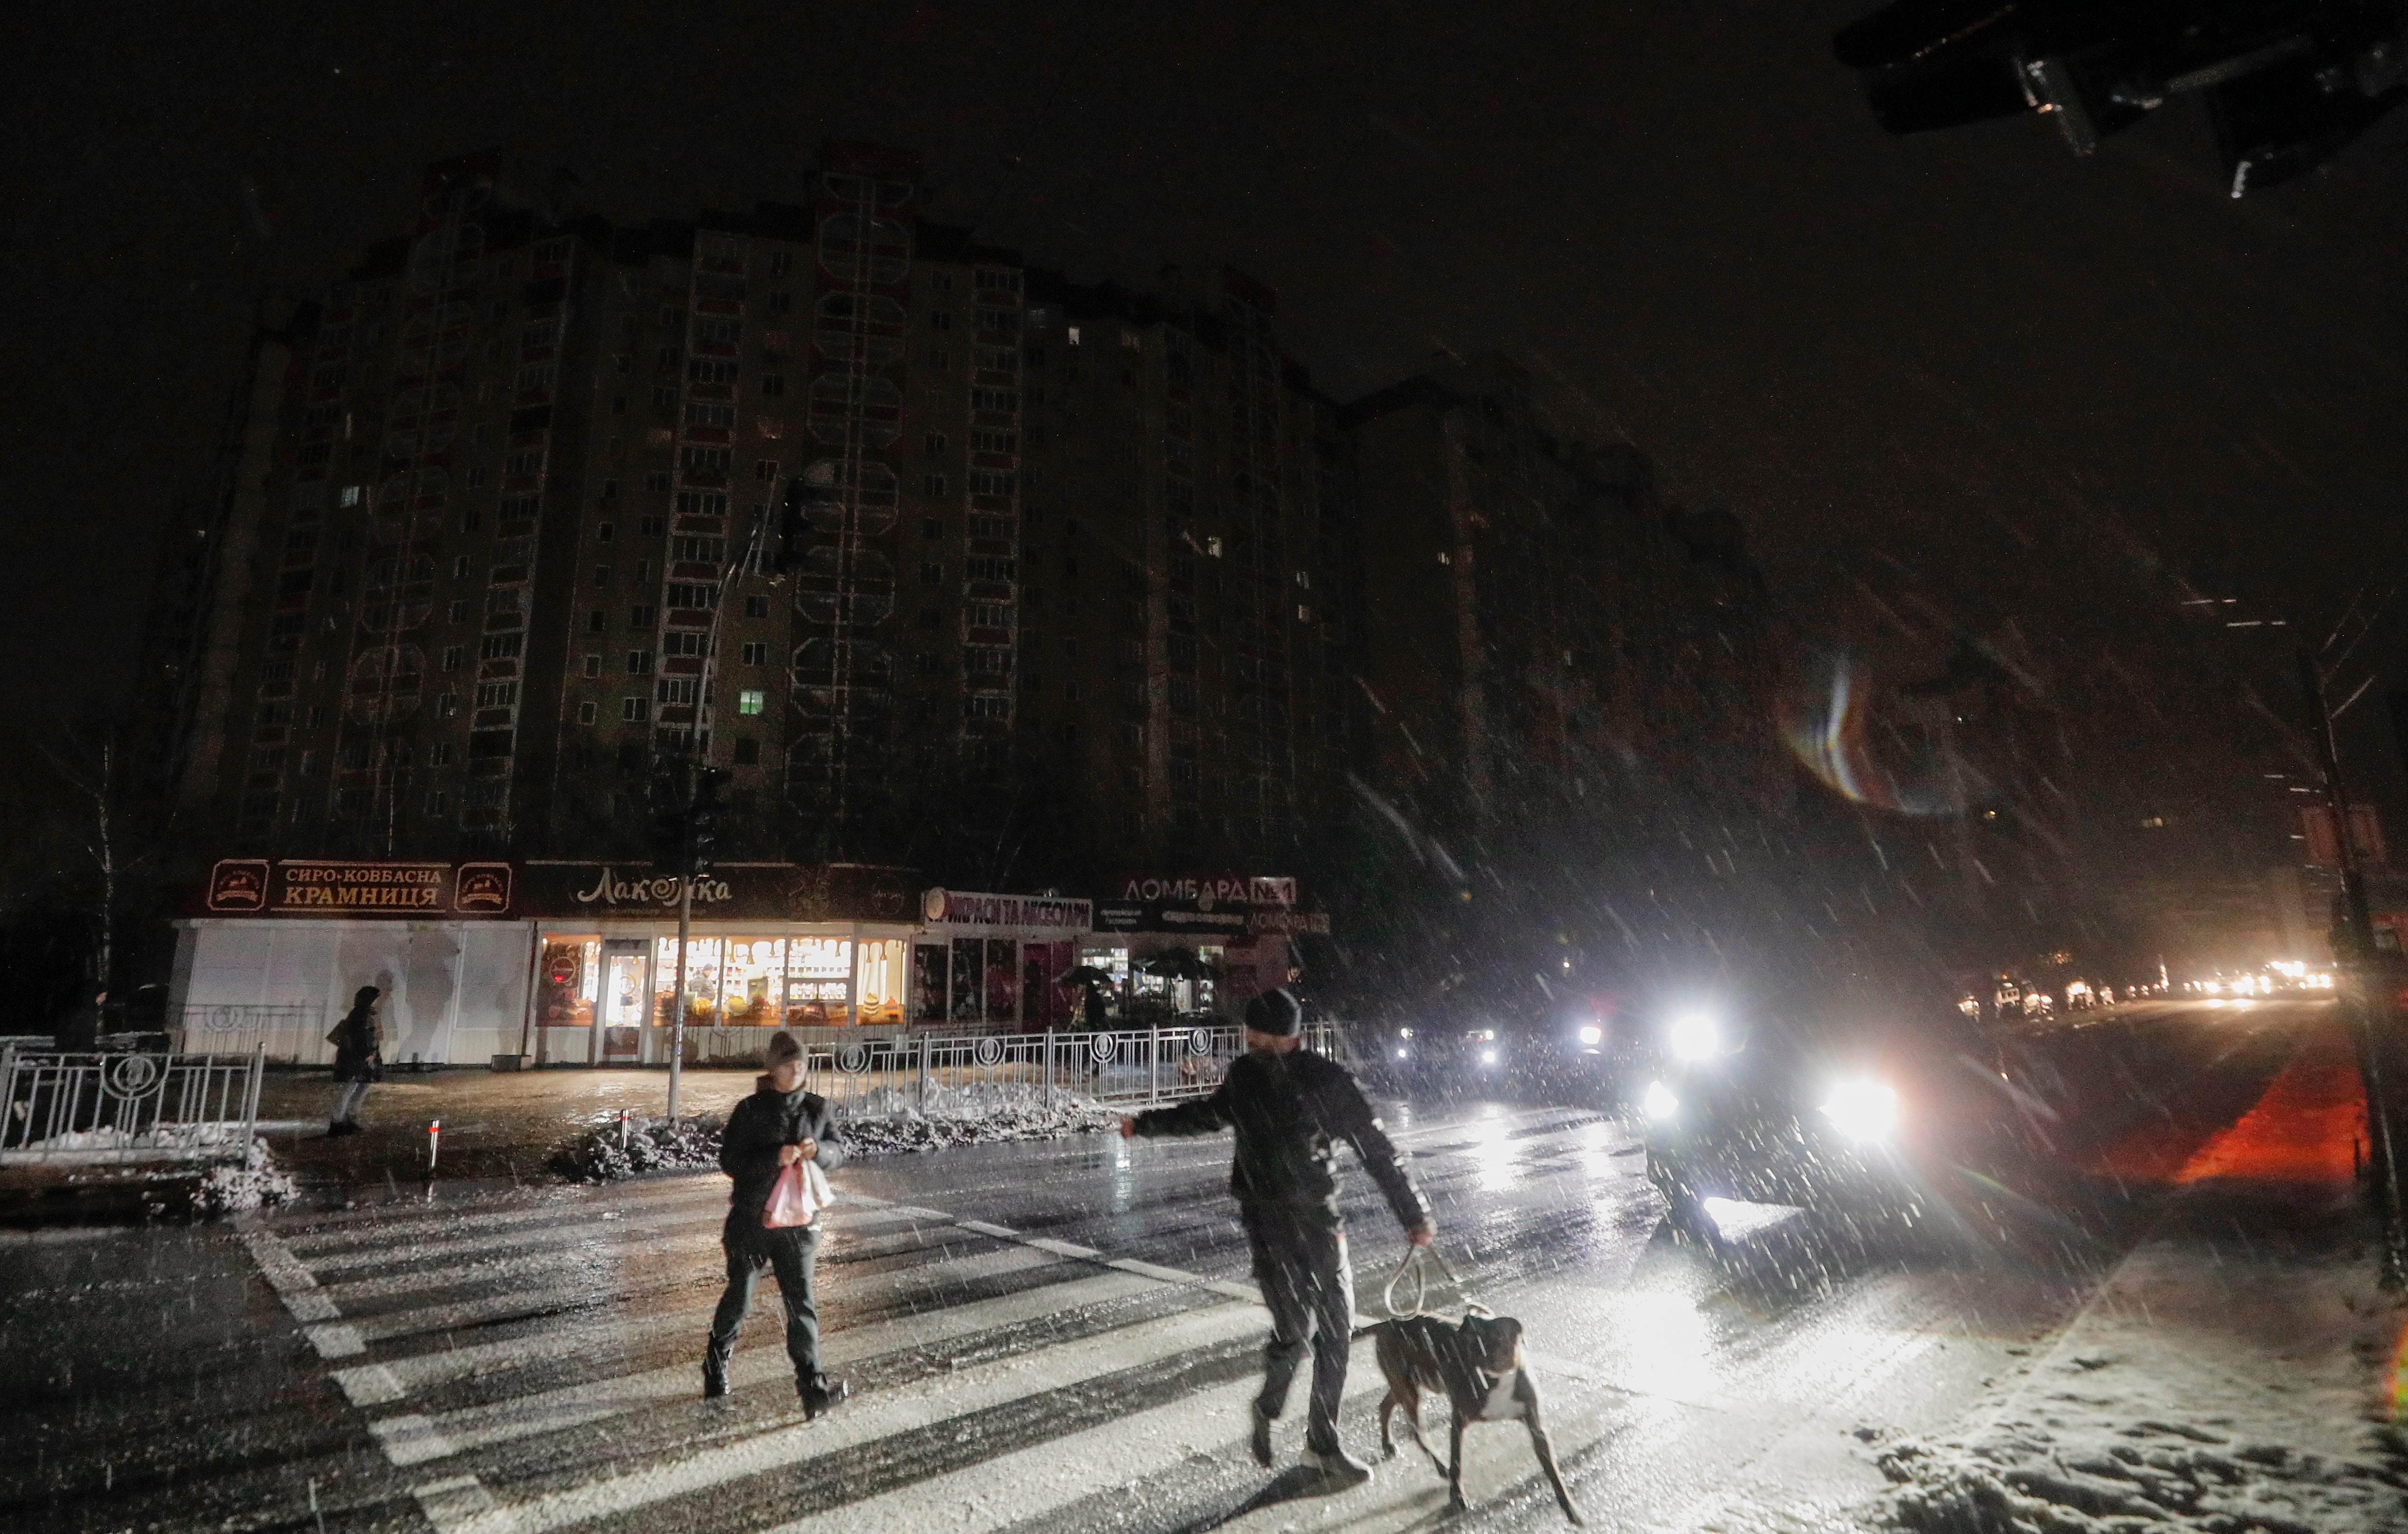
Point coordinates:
[[1591, 1034], [1403, 1053], [1404, 1033], [1862, 1110], [1488, 1057], [1658, 1101], [1694, 1037]]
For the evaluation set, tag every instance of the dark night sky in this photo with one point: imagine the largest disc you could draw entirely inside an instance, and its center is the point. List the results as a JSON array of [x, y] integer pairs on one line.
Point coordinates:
[[1968, 371]]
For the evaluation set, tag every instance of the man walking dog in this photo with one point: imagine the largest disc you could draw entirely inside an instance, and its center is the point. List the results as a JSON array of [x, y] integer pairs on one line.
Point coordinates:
[[1287, 1105], [775, 1127]]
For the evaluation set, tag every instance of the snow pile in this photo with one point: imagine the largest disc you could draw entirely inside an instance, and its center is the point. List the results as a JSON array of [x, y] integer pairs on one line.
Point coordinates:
[[890, 1120], [886, 1122], [171, 1139], [228, 1189], [609, 1153], [2211, 1390]]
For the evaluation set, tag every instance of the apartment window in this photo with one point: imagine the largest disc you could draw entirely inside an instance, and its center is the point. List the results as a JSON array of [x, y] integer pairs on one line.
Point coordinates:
[[765, 470], [693, 594], [679, 690], [436, 800], [772, 385], [935, 445], [498, 646], [941, 320], [602, 576], [585, 713], [756, 606], [639, 663], [496, 695], [932, 574], [592, 665], [989, 481], [927, 664], [704, 460], [459, 611], [691, 641], [932, 486], [640, 616], [780, 261], [748, 754], [756, 653], [703, 413], [635, 711], [751, 700], [597, 621], [931, 528], [452, 657], [665, 398], [350, 496]]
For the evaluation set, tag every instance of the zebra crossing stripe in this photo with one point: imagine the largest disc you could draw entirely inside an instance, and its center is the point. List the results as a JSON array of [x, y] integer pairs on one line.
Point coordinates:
[[868, 1418], [537, 1264], [314, 1241], [293, 1282], [1031, 1483], [414, 1439], [454, 1503]]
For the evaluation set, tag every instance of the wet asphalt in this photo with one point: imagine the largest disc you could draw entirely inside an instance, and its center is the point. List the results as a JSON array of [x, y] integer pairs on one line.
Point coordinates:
[[1076, 1356]]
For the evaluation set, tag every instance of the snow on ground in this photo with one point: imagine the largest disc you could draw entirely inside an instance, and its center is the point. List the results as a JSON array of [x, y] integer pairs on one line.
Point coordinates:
[[230, 1189], [2237, 1372], [887, 1122]]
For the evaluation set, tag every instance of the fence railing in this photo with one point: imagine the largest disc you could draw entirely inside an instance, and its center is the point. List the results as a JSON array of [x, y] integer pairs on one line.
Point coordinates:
[[286, 1034], [80, 1110], [954, 1070]]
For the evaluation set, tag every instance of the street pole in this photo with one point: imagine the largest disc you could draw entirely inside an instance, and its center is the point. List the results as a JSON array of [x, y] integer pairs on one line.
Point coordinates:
[[677, 1026], [2358, 921]]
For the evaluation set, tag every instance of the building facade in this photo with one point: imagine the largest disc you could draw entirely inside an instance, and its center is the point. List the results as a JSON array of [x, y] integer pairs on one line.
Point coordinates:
[[506, 519]]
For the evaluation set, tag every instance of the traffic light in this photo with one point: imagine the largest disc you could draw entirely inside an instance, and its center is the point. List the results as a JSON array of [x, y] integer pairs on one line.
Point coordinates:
[[666, 800], [702, 820], [2285, 82]]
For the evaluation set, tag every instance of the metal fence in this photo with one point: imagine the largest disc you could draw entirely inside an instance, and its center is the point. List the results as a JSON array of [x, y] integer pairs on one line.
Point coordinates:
[[919, 1070], [81, 1110], [287, 1035]]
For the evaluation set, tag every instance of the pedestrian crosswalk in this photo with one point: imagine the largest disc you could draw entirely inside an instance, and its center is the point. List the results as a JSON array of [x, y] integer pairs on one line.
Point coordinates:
[[534, 1365]]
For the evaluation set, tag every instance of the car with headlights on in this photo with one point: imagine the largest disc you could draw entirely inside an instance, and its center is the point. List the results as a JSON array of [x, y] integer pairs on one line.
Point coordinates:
[[1858, 1118]]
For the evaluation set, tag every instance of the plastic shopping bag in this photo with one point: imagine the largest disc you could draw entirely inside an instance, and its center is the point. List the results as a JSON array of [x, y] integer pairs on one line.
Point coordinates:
[[796, 1198]]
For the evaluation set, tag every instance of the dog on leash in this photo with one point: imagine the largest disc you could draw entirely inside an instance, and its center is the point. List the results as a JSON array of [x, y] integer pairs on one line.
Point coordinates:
[[1477, 1366]]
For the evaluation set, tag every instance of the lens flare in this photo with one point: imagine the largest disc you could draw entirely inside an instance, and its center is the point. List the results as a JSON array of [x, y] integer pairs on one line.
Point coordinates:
[[1833, 745]]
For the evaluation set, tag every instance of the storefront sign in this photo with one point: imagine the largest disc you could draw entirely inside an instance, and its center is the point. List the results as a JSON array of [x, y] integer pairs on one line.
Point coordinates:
[[776, 891], [1207, 904], [783, 892], [975, 909], [259, 886]]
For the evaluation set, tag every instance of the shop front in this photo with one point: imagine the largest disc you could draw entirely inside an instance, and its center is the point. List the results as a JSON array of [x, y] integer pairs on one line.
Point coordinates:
[[1195, 945], [996, 963], [568, 962]]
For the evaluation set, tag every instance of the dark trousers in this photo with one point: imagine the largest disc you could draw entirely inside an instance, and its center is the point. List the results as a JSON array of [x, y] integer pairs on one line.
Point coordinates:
[[1300, 1262], [791, 1256]]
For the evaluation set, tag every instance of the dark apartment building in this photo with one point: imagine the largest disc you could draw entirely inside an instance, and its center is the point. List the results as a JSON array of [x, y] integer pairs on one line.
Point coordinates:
[[1557, 647], [504, 516]]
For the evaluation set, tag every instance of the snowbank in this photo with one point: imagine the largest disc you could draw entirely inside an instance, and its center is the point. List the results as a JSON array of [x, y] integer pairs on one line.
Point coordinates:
[[258, 1182], [887, 1122], [2237, 1372]]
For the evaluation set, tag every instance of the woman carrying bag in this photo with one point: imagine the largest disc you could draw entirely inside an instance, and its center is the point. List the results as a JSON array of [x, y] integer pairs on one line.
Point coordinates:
[[775, 1145], [359, 1051]]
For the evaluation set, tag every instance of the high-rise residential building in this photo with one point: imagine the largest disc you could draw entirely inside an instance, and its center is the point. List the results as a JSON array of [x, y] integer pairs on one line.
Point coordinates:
[[1558, 650], [506, 519]]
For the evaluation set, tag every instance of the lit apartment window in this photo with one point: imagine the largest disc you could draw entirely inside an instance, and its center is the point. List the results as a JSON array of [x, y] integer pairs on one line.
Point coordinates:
[[751, 700]]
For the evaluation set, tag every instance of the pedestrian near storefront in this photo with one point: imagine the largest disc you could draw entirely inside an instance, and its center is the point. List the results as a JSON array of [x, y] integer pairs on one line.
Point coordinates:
[[359, 1059], [779, 1125], [1289, 1106]]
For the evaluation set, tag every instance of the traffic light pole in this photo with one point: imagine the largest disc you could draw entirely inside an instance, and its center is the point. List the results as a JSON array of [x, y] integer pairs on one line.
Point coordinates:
[[677, 1026], [2360, 996], [692, 790]]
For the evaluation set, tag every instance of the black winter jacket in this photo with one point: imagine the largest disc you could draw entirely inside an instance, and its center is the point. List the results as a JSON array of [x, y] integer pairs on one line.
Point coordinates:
[[763, 1123], [1288, 1111]]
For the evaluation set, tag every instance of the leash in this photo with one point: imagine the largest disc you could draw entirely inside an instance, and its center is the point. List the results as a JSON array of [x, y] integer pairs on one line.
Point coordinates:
[[1418, 1260]]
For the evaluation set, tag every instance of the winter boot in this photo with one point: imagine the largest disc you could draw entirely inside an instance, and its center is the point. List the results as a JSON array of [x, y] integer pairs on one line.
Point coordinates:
[[714, 1372], [819, 1397], [1339, 1470], [1261, 1441]]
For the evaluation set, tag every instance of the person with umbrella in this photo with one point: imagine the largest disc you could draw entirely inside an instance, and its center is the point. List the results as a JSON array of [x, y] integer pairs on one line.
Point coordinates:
[[1094, 985]]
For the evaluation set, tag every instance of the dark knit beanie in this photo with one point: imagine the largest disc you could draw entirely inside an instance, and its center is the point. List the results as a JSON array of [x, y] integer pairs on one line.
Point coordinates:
[[784, 1047], [1275, 1012]]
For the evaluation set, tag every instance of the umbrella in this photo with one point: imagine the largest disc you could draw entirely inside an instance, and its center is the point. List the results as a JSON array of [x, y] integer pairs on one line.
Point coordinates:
[[1085, 974], [1179, 964]]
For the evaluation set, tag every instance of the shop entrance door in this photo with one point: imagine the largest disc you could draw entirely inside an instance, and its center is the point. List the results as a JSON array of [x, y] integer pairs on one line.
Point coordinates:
[[626, 999]]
